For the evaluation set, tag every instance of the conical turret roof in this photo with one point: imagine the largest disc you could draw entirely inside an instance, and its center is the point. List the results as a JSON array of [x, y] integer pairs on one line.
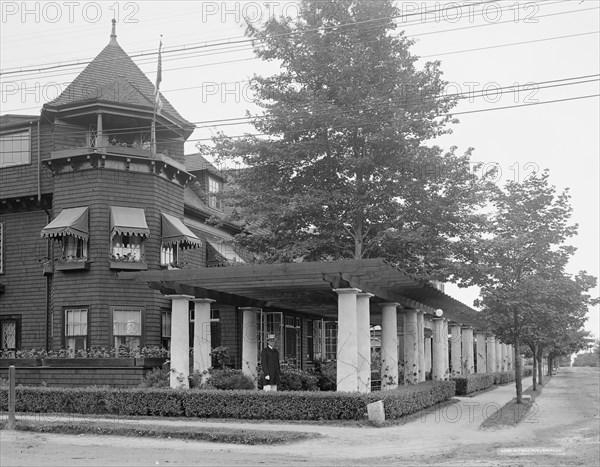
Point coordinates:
[[114, 77]]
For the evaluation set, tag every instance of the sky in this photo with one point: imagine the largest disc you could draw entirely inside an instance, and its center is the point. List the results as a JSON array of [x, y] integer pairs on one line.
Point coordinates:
[[529, 72]]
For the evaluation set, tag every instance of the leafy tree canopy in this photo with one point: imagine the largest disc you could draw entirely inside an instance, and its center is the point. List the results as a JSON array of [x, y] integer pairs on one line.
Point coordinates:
[[341, 166]]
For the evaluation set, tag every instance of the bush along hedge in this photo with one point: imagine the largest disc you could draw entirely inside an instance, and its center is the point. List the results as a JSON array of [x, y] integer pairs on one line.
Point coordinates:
[[471, 383], [504, 377], [240, 404]]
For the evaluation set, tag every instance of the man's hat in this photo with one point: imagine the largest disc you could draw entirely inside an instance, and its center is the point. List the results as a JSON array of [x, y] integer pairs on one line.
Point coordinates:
[[271, 337]]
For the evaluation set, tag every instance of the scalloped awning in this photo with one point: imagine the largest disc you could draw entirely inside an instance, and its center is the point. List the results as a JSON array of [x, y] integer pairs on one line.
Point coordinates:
[[128, 221], [174, 231], [70, 221]]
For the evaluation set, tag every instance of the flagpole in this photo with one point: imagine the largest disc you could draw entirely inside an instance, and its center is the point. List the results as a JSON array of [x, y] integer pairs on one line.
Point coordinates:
[[156, 102]]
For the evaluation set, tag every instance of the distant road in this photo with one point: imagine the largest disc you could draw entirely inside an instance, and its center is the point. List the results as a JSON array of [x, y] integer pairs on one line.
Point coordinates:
[[562, 430]]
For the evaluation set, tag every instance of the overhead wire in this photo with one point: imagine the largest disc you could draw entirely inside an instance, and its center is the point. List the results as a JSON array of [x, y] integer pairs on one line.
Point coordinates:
[[370, 107], [188, 49]]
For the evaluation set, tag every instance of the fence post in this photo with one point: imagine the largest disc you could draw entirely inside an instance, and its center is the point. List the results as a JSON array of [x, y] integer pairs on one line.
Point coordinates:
[[11, 397]]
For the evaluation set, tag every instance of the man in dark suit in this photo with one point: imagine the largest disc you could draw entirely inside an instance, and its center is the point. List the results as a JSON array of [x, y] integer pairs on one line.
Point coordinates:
[[270, 365]]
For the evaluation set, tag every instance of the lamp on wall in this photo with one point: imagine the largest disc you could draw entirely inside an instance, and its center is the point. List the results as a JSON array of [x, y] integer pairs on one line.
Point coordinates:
[[439, 312]]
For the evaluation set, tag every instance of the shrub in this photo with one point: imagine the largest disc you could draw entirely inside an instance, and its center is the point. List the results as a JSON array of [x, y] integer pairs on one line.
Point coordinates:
[[156, 378], [286, 405], [471, 383], [527, 372], [503, 377], [326, 373], [227, 378]]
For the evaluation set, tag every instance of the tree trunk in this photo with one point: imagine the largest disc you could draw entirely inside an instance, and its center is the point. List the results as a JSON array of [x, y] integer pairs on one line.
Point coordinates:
[[534, 373], [518, 370], [540, 360], [550, 365]]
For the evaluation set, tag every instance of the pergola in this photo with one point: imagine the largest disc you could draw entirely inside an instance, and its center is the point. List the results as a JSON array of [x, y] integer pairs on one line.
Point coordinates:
[[358, 293]]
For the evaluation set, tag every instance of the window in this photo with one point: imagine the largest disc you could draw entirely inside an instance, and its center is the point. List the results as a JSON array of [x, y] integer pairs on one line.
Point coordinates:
[[127, 238], [128, 248], [292, 339], [169, 255], [166, 329], [127, 328], [74, 249], [330, 340], [317, 338], [215, 330], [76, 328], [215, 186], [1, 248], [15, 148], [10, 330]]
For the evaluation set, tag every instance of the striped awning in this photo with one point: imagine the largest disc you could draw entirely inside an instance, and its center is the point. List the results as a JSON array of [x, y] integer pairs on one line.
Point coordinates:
[[174, 231], [70, 221], [128, 221]]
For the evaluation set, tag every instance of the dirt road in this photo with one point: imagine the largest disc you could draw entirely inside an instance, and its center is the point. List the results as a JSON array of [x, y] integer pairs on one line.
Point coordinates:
[[562, 430]]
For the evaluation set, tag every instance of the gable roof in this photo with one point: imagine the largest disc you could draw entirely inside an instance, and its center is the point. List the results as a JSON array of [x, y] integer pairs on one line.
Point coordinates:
[[114, 77], [197, 161]]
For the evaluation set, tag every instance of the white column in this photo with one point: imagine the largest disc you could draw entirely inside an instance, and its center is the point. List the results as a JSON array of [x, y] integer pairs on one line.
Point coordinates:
[[347, 342], [421, 345], [491, 354], [411, 356], [428, 361], [498, 355], [511, 357], [180, 340], [389, 346], [467, 350], [363, 327], [503, 355], [439, 362], [481, 353], [446, 348], [202, 341], [456, 350], [250, 343]]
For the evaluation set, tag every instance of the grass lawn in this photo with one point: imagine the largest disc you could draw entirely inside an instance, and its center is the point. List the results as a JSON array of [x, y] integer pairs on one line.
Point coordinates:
[[212, 434], [511, 413]]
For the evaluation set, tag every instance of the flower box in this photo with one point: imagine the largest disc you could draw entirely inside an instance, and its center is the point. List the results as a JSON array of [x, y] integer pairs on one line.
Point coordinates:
[[150, 362], [89, 362], [72, 266], [129, 265], [20, 362]]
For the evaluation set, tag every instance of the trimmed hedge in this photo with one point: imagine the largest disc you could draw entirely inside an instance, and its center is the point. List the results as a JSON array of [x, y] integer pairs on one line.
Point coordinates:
[[472, 383], [240, 404]]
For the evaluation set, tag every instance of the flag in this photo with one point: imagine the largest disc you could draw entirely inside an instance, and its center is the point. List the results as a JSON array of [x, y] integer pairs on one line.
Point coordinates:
[[158, 105]]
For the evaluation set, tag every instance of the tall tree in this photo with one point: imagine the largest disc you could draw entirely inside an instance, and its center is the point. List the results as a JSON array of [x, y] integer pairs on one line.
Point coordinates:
[[342, 168], [520, 265]]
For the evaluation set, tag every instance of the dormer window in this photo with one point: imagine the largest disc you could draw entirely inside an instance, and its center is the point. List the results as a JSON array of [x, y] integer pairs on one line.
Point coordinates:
[[215, 187]]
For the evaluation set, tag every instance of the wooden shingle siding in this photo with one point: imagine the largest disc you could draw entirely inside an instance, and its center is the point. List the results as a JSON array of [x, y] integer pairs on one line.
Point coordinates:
[[99, 288], [25, 286]]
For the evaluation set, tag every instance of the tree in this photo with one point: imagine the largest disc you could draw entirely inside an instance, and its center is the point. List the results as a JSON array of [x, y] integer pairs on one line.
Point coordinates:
[[342, 169], [570, 342], [523, 250], [560, 305]]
